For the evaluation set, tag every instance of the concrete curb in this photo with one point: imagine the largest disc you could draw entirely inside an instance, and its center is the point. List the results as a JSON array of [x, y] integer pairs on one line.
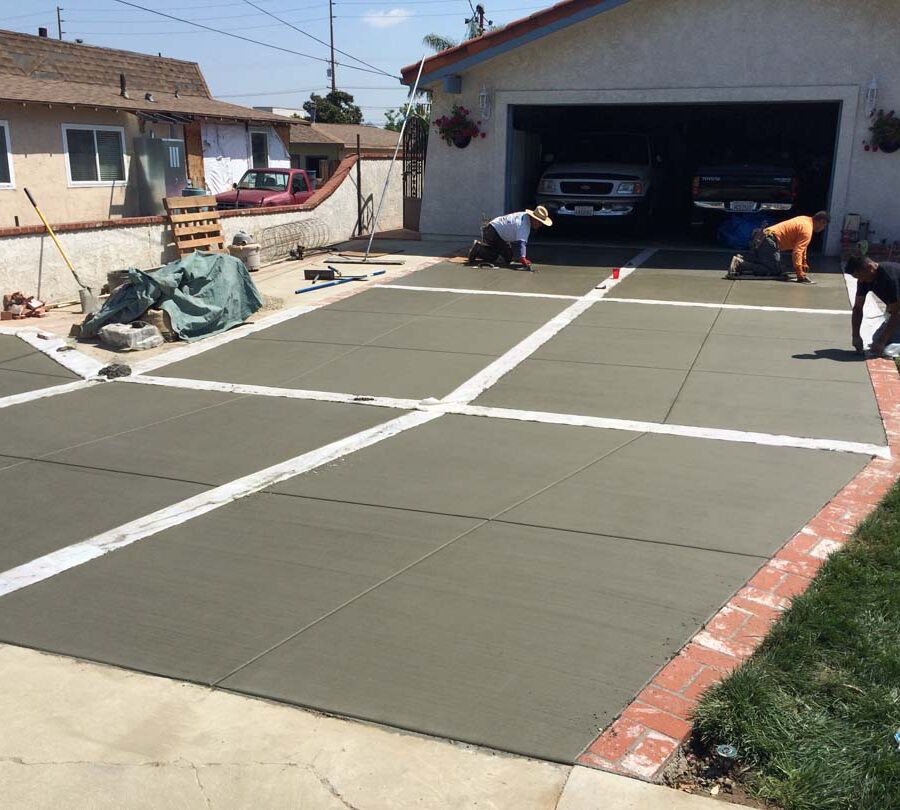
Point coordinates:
[[642, 739]]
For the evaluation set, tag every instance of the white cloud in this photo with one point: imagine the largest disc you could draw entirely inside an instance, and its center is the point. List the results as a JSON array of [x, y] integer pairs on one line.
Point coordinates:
[[387, 19]]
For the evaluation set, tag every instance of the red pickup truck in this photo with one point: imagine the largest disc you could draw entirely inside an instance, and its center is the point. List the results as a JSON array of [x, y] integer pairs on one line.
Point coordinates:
[[262, 188]]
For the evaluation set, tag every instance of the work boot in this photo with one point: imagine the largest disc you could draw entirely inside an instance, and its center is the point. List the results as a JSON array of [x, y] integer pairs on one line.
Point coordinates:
[[734, 269], [473, 252], [805, 280]]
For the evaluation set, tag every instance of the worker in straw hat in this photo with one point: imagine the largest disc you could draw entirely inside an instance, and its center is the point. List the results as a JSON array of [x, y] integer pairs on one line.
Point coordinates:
[[500, 234]]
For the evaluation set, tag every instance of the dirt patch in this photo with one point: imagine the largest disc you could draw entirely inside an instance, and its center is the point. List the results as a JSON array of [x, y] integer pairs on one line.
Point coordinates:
[[704, 774]]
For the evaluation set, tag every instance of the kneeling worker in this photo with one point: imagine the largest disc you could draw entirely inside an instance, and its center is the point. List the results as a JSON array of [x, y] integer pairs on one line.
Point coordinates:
[[793, 235], [500, 234], [882, 279]]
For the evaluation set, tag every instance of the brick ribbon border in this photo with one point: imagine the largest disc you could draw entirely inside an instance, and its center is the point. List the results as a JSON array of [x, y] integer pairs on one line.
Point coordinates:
[[640, 742]]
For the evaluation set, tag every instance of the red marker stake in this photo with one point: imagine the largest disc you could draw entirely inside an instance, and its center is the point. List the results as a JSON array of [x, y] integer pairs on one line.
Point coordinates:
[[615, 274]]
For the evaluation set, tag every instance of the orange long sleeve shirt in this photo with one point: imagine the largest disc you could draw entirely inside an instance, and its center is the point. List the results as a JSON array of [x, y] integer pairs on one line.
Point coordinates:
[[794, 235]]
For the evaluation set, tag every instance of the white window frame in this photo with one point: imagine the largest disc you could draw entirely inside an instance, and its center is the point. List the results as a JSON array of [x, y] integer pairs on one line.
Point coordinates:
[[258, 131], [94, 183], [4, 125]]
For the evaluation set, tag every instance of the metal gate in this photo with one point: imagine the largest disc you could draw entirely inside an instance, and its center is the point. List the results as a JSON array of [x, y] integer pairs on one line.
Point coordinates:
[[415, 142]]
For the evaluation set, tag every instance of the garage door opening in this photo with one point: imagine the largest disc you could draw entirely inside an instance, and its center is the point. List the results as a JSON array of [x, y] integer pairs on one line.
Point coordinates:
[[673, 172]]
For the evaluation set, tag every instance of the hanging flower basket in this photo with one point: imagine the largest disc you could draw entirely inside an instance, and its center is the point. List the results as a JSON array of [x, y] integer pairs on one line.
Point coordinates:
[[885, 131], [458, 128]]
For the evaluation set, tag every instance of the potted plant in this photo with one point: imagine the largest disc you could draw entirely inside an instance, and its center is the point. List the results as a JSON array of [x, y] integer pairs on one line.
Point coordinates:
[[458, 129], [885, 131]]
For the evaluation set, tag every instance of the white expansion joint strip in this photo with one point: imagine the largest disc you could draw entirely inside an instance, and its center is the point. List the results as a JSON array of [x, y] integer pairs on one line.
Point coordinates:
[[58, 351], [460, 291], [44, 393], [79, 553], [689, 431], [269, 391], [704, 305]]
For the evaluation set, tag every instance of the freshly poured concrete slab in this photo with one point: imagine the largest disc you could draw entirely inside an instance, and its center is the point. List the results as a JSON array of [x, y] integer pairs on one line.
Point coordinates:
[[458, 465], [334, 326], [547, 254], [23, 368], [623, 392], [18, 382], [551, 279], [9, 461], [256, 362], [499, 308], [461, 335], [406, 373], [223, 443], [109, 409], [623, 347], [812, 408], [829, 331], [451, 275], [708, 260], [57, 505], [829, 292], [200, 599], [610, 314], [674, 285], [404, 302], [781, 357], [740, 498], [522, 639]]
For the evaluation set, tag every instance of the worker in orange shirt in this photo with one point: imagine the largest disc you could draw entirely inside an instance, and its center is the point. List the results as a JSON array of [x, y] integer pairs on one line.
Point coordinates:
[[793, 235]]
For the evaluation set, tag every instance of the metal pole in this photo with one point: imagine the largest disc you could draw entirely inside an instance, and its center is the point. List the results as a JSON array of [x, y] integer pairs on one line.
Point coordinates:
[[59, 30], [331, 31], [359, 199], [412, 95]]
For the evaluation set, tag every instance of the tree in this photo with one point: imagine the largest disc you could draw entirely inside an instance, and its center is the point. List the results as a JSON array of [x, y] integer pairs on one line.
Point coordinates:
[[437, 43], [395, 117], [335, 108]]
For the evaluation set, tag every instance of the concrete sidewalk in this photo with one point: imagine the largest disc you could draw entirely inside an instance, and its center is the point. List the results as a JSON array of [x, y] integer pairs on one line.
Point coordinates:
[[78, 735]]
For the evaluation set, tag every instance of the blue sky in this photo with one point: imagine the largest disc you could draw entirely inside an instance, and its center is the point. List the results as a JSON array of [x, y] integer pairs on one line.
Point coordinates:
[[385, 34]]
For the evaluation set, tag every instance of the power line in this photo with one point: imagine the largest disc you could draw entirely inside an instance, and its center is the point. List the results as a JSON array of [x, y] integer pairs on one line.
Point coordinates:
[[321, 42], [302, 90], [31, 14], [190, 31], [242, 38]]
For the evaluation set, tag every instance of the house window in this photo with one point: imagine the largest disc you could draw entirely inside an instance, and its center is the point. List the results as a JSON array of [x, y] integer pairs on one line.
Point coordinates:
[[259, 147], [6, 171], [94, 155]]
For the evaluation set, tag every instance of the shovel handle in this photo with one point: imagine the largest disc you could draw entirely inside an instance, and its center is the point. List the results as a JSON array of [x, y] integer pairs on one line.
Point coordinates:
[[30, 198]]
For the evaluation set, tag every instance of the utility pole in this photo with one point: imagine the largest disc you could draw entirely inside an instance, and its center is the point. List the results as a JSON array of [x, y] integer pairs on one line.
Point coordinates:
[[331, 30], [59, 22]]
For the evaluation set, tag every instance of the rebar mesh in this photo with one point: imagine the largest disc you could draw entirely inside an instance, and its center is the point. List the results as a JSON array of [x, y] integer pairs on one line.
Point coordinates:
[[279, 241]]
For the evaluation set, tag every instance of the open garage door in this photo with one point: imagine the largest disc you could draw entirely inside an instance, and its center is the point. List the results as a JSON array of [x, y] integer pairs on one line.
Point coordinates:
[[677, 171]]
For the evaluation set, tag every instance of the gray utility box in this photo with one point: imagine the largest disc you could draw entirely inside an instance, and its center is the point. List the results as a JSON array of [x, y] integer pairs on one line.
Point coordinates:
[[161, 171]]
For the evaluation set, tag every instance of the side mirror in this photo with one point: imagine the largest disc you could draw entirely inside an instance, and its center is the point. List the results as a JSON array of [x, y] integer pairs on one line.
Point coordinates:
[[234, 186]]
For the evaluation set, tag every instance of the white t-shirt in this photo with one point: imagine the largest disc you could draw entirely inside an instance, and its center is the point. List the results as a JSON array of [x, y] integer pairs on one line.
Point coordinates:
[[513, 228]]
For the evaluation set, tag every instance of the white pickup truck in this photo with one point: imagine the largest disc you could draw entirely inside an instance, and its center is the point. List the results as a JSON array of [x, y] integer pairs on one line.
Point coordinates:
[[597, 176]]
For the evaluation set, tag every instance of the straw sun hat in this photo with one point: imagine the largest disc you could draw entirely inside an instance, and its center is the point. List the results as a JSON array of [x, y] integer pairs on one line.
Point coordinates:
[[540, 214]]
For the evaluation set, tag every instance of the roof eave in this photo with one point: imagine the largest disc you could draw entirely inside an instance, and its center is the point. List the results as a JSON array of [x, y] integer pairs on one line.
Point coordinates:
[[495, 43]]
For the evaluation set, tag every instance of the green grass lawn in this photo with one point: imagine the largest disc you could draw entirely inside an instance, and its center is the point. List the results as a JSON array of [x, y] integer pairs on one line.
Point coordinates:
[[813, 713]]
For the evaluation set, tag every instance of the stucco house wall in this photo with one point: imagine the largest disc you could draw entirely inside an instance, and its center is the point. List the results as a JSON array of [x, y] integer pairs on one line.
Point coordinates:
[[39, 162], [686, 51]]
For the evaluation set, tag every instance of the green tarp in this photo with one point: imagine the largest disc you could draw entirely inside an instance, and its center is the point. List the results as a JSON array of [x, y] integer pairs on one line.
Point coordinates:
[[203, 294]]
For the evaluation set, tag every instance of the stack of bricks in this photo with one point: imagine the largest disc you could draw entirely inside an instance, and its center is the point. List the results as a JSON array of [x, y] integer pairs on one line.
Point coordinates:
[[643, 738]]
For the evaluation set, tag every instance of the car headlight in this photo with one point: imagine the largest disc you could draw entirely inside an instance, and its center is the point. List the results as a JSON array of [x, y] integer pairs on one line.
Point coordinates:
[[630, 188], [546, 187]]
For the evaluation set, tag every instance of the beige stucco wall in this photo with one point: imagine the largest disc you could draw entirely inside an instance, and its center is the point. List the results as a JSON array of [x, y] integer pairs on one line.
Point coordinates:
[[31, 262], [38, 157], [687, 51]]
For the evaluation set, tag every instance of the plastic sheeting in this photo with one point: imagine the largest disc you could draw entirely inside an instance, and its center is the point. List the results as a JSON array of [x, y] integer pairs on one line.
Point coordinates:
[[203, 294], [226, 154]]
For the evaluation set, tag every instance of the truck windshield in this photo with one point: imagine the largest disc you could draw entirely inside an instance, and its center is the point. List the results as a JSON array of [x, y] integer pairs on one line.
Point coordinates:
[[605, 147], [267, 181]]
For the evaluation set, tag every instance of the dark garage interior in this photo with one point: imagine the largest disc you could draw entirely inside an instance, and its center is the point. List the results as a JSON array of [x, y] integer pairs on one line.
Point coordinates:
[[684, 139]]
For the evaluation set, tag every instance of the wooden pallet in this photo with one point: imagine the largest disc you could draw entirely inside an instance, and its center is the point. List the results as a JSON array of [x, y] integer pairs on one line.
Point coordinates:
[[195, 224]]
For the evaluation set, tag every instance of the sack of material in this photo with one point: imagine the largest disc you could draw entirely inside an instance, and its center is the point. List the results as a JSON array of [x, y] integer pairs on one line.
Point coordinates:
[[202, 293], [129, 337]]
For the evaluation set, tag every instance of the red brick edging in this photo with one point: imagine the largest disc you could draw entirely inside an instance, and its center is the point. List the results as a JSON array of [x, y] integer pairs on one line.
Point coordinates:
[[641, 740]]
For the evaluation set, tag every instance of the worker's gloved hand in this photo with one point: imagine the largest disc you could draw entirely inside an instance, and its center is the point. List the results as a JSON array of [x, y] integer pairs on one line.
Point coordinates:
[[858, 345], [526, 263]]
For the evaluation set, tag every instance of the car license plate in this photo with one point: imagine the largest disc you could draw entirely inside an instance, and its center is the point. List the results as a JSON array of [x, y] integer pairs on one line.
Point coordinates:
[[743, 205], [584, 210]]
